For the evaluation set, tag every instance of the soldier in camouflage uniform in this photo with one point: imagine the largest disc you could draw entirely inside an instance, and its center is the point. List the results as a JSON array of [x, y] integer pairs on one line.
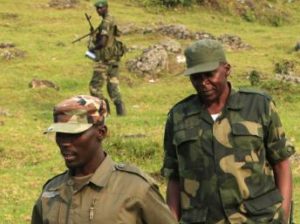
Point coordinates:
[[108, 51], [95, 189], [226, 155]]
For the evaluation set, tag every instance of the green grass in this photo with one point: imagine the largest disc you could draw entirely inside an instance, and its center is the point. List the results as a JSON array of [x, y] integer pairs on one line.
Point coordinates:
[[28, 158]]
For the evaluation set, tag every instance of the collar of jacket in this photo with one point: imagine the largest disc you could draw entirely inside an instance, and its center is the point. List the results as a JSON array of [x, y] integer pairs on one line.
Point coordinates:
[[99, 179]]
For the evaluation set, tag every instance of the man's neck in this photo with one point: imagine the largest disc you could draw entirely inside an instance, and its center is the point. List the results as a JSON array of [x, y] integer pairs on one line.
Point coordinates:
[[91, 166]]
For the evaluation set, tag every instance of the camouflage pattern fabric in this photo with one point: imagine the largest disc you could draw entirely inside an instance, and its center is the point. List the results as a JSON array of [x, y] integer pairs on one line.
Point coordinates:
[[224, 167], [109, 74], [77, 114], [114, 194]]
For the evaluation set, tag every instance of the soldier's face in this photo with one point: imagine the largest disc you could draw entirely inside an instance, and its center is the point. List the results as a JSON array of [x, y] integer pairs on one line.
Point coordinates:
[[211, 85], [81, 150], [101, 10]]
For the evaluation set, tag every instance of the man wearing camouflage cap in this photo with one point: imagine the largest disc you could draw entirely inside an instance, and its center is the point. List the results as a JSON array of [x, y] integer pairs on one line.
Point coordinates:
[[226, 154], [108, 51], [94, 189]]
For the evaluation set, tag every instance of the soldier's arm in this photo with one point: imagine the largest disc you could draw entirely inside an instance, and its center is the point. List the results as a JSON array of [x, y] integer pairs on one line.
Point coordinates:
[[170, 169], [104, 30], [283, 180], [278, 152], [101, 42], [173, 197]]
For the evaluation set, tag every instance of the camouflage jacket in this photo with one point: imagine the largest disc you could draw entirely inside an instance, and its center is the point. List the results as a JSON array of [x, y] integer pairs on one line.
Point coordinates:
[[224, 167], [111, 51], [114, 194]]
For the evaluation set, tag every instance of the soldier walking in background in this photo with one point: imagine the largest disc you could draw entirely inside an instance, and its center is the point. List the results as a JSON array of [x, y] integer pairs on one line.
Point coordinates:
[[95, 189], [226, 154], [108, 51]]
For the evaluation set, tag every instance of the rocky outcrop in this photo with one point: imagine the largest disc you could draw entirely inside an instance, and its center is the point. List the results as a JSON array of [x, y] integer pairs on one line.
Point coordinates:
[[152, 61]]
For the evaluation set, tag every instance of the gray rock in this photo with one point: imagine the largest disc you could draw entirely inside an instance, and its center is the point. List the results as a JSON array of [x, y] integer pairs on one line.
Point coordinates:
[[152, 61], [172, 46], [233, 42]]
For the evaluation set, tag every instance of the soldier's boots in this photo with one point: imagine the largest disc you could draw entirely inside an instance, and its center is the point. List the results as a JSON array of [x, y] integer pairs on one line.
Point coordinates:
[[120, 108]]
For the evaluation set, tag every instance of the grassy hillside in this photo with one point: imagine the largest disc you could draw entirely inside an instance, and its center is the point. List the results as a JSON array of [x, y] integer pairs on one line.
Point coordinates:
[[28, 158]]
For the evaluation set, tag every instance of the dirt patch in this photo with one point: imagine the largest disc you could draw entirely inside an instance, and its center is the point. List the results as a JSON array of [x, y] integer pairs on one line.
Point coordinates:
[[8, 51], [8, 16], [41, 84]]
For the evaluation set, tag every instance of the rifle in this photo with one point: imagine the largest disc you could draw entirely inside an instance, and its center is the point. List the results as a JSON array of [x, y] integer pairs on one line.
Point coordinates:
[[92, 30], [88, 18]]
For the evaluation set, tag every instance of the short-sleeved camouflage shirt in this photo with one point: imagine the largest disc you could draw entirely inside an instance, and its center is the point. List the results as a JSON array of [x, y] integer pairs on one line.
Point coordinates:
[[106, 28], [225, 166]]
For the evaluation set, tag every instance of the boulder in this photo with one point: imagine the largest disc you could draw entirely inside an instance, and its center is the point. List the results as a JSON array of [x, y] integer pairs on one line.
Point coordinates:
[[152, 61]]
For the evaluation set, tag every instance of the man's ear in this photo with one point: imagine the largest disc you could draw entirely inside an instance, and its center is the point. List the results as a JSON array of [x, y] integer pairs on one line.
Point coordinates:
[[228, 69], [102, 131]]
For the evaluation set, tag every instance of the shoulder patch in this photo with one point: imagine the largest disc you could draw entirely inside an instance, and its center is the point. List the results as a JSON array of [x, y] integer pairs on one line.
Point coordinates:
[[255, 91], [56, 176], [135, 171]]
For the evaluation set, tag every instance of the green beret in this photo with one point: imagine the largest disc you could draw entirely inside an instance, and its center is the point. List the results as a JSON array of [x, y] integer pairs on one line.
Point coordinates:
[[100, 3], [203, 56]]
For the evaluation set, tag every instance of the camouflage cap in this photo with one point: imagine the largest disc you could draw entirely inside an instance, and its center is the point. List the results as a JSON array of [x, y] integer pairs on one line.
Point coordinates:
[[78, 114], [101, 3], [203, 56]]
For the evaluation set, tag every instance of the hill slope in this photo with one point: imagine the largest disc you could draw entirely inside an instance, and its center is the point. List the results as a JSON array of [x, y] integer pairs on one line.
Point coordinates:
[[42, 37]]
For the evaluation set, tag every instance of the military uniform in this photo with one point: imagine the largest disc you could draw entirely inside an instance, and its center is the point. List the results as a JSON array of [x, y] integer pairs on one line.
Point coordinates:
[[224, 167], [106, 68], [115, 193]]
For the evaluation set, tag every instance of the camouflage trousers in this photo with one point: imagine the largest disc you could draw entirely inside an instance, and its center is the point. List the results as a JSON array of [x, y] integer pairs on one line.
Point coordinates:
[[106, 73]]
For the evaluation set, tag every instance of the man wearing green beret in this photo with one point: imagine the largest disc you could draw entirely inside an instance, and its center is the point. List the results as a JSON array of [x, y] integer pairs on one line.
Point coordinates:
[[108, 52], [94, 189], [226, 154]]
